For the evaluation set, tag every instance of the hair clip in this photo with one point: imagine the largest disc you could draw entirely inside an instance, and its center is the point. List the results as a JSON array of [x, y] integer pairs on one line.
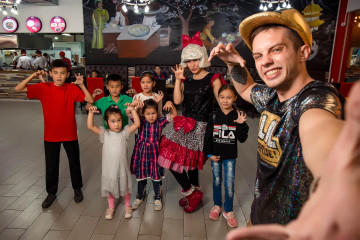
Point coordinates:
[[114, 106]]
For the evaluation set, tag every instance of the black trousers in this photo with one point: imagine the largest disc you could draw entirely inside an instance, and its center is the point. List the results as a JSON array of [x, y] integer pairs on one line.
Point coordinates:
[[52, 159], [186, 180]]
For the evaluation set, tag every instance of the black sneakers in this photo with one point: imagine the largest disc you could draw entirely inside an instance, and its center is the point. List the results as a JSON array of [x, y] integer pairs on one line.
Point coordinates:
[[48, 200], [78, 197]]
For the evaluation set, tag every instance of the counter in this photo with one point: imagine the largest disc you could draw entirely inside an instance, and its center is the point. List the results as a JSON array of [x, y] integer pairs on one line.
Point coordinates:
[[128, 46], [8, 81]]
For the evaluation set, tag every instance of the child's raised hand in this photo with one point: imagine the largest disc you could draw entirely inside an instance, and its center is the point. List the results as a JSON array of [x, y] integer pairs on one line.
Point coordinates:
[[96, 92], [159, 96], [79, 79], [215, 158], [241, 117], [131, 91], [42, 75], [137, 103], [129, 106], [168, 106], [93, 109], [179, 72]]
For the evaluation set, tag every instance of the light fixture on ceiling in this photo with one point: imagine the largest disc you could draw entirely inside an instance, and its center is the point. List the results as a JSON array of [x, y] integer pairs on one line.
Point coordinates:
[[14, 10], [4, 10], [13, 4], [266, 5], [357, 20], [135, 5], [66, 34]]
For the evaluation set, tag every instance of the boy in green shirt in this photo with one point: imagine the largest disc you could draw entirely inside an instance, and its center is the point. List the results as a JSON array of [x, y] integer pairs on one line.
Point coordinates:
[[114, 85]]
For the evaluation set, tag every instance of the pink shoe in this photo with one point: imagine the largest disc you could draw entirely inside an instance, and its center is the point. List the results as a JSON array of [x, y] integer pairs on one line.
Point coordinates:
[[231, 220], [215, 212]]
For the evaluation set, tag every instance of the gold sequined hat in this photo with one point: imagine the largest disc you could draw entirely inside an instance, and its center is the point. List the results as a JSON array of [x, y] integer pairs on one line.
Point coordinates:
[[290, 18]]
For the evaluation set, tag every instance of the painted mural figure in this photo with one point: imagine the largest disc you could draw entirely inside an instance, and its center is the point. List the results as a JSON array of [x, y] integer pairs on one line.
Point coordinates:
[[99, 17], [206, 34], [120, 17]]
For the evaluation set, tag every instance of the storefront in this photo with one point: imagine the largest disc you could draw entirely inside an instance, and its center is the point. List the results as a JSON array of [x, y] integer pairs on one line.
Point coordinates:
[[345, 63]]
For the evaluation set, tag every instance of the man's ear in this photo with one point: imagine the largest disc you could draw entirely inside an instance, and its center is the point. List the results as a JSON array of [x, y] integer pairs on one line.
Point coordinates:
[[68, 74], [305, 52]]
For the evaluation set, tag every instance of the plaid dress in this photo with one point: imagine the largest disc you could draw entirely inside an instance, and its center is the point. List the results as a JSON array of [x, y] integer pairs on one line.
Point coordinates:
[[144, 162]]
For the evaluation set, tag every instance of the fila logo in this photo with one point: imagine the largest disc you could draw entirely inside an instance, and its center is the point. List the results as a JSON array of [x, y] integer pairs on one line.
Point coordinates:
[[224, 131]]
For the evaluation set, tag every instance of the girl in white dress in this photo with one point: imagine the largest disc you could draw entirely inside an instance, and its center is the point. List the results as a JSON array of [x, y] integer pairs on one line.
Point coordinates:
[[116, 177]]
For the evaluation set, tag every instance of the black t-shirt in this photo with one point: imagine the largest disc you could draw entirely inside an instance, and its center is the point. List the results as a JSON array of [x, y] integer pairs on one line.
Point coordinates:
[[282, 179]]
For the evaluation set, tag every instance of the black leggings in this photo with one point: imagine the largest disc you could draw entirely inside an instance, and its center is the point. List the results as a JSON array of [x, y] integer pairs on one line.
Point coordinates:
[[142, 186], [186, 180]]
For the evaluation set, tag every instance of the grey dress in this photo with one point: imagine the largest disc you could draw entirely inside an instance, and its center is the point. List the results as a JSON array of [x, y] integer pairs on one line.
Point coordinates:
[[116, 177]]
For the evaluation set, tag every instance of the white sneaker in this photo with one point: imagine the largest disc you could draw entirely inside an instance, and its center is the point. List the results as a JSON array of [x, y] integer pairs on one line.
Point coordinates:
[[136, 203], [109, 213], [128, 212], [157, 205]]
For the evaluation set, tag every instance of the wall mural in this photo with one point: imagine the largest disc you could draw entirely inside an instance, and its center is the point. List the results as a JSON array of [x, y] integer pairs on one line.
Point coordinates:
[[113, 36]]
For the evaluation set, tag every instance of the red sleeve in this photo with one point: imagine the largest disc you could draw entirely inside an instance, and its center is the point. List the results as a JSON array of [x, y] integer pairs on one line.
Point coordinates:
[[218, 76], [34, 91], [79, 95]]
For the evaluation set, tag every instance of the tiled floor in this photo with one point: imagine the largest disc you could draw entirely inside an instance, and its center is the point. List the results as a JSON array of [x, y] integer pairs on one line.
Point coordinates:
[[22, 189]]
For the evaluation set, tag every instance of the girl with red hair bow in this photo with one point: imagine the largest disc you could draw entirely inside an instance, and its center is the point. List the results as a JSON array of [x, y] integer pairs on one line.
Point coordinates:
[[181, 149]]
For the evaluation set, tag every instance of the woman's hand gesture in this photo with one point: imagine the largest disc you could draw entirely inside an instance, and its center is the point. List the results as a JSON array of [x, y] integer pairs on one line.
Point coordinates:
[[179, 72]]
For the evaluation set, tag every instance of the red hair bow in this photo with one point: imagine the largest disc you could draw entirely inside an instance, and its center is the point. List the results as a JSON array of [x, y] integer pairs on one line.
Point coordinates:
[[184, 122], [186, 40]]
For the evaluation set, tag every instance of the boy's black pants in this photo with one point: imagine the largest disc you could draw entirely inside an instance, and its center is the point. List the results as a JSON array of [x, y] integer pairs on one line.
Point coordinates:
[[52, 159]]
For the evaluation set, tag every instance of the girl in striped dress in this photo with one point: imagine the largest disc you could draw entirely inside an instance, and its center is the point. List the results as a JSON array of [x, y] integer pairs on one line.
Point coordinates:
[[144, 163]]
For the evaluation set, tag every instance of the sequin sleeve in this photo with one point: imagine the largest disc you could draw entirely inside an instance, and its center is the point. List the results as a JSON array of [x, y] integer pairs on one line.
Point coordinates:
[[323, 98], [260, 96]]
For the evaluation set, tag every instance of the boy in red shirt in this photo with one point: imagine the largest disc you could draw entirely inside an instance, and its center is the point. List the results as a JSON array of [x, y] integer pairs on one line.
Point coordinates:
[[57, 99]]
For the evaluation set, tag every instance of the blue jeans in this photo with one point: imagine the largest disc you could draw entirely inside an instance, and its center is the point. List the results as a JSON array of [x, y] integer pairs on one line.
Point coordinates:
[[229, 172]]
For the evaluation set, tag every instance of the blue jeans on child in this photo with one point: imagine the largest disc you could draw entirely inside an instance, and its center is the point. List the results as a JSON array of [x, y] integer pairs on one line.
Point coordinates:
[[229, 172]]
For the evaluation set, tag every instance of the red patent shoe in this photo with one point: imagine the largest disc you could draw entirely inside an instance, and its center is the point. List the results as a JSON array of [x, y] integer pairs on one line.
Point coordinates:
[[194, 199], [183, 201]]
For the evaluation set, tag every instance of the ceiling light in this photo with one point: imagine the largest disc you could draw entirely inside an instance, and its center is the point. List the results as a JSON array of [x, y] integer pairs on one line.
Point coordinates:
[[266, 5], [135, 4]]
